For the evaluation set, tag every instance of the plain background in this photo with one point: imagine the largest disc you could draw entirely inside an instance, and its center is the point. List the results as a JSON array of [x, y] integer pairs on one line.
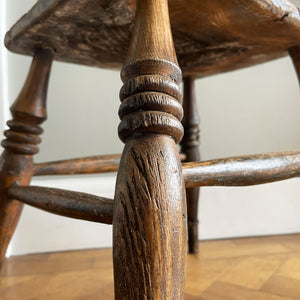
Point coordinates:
[[247, 111]]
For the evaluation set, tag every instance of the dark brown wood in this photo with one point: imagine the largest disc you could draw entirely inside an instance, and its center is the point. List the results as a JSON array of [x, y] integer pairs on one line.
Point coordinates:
[[211, 36], [190, 147], [149, 223], [243, 170], [28, 111], [65, 203], [294, 53], [195, 174], [85, 165]]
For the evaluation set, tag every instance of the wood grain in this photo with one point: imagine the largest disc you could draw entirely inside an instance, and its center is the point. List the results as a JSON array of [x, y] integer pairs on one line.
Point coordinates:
[[65, 203], [149, 222], [190, 147], [232, 171], [262, 268], [248, 268], [283, 286], [226, 291], [210, 36], [28, 111], [243, 170], [147, 235], [84, 165]]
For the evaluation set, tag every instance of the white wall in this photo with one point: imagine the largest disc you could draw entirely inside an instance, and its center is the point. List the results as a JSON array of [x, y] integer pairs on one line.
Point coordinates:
[[3, 71], [224, 212], [249, 111], [246, 111]]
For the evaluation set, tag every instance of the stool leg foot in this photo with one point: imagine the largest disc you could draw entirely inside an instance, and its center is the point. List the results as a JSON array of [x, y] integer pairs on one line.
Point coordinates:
[[149, 220], [10, 212], [190, 147], [28, 111]]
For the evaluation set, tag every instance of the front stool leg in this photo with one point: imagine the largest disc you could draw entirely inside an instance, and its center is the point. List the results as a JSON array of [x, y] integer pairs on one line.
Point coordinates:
[[149, 222], [190, 147], [28, 111]]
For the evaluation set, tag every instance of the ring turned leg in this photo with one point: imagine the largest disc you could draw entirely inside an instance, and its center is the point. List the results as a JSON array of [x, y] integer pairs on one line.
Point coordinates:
[[190, 147], [28, 111], [149, 223]]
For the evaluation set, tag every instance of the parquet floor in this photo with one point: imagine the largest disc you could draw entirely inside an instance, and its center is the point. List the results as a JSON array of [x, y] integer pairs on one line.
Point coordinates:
[[265, 268]]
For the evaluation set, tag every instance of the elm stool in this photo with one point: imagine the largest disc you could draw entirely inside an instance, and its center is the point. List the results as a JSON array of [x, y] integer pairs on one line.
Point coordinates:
[[148, 212]]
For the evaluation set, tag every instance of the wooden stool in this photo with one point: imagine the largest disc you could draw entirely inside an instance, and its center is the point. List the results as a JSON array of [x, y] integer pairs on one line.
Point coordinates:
[[148, 212]]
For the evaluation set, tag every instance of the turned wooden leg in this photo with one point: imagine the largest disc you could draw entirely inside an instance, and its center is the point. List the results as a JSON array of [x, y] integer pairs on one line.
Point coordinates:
[[294, 53], [28, 111], [149, 221], [190, 147]]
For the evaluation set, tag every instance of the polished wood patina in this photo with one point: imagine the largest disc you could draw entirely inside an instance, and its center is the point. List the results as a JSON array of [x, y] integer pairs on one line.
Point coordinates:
[[65, 203], [149, 221], [28, 111], [232, 171], [210, 36], [190, 147]]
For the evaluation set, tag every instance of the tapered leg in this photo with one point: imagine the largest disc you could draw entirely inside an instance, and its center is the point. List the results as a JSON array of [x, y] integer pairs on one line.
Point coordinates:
[[28, 111], [190, 147], [149, 223], [295, 56]]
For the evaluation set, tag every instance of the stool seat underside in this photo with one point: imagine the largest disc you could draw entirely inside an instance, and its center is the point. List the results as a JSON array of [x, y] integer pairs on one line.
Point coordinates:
[[210, 36]]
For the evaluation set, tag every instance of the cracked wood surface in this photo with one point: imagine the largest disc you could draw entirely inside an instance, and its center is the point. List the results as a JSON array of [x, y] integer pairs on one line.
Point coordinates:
[[149, 220], [210, 36]]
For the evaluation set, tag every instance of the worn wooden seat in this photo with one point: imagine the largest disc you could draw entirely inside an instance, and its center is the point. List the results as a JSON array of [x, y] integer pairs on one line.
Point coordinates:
[[148, 212], [210, 36]]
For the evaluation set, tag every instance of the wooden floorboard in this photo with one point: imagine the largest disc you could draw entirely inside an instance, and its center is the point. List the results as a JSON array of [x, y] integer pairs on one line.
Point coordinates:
[[265, 268]]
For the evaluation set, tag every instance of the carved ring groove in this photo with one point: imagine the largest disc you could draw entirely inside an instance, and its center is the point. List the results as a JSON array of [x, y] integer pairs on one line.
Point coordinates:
[[22, 138], [151, 101], [151, 83], [150, 122]]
